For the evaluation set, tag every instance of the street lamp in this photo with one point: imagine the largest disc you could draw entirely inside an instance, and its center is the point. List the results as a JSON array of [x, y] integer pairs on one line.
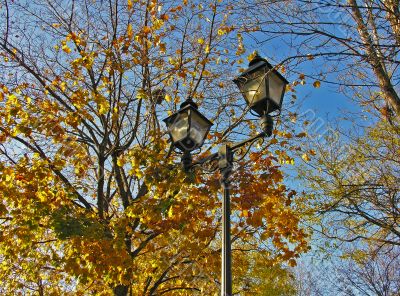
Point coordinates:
[[188, 129], [263, 89], [262, 86]]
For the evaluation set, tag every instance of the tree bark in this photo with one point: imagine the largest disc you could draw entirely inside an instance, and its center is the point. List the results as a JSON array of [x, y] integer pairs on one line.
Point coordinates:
[[390, 95]]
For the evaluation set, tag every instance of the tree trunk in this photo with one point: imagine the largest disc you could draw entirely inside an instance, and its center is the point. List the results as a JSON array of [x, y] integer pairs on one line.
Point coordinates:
[[385, 84]]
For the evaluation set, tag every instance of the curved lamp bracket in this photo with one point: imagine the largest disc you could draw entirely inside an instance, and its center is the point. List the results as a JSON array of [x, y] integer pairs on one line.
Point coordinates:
[[227, 154]]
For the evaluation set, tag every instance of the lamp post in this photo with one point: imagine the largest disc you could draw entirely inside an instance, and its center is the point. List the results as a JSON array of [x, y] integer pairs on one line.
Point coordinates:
[[263, 89]]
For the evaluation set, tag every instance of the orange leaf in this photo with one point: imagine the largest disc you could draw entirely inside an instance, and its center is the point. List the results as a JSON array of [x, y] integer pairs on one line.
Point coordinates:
[[129, 31], [164, 17], [146, 30]]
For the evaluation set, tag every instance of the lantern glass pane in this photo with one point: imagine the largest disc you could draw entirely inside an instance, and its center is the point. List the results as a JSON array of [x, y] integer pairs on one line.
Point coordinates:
[[276, 87], [198, 128], [179, 127], [254, 90]]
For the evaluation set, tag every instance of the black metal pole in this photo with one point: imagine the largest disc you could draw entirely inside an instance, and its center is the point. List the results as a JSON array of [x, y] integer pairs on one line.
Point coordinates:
[[225, 165], [226, 285]]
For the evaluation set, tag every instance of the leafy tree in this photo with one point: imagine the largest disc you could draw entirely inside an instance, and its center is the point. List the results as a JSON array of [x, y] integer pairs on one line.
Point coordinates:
[[266, 279], [371, 272], [355, 188], [352, 44], [353, 202], [353, 176], [92, 198], [361, 271]]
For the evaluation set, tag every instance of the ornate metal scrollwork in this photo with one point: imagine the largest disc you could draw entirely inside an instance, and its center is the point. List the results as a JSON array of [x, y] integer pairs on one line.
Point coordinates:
[[209, 164], [212, 162], [241, 152]]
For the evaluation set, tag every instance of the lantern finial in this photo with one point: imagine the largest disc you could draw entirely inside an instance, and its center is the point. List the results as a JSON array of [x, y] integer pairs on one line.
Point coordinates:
[[189, 102], [257, 58]]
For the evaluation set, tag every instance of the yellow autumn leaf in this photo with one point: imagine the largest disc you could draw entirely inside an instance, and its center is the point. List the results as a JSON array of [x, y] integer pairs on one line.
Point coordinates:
[[251, 56], [139, 173], [63, 86], [141, 94], [290, 161], [120, 162], [221, 32], [103, 107], [317, 84], [15, 132], [157, 24], [305, 157], [66, 48], [130, 4], [42, 196], [200, 41]]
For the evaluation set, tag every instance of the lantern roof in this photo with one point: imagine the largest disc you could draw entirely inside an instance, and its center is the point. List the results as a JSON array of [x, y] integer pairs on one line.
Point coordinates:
[[256, 63], [188, 104]]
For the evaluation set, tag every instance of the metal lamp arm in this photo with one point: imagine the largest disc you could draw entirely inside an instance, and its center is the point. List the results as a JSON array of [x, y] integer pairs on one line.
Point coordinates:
[[233, 149]]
